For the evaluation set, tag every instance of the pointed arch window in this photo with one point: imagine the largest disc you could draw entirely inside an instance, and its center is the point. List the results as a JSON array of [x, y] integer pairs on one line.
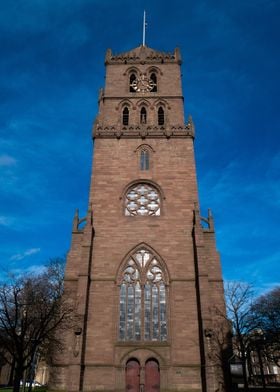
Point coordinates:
[[142, 199], [153, 79], [160, 116], [143, 299], [144, 160], [125, 116], [132, 82], [143, 116]]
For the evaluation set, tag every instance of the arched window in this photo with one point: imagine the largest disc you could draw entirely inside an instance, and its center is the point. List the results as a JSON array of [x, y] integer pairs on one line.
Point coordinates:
[[144, 160], [143, 299], [132, 82], [143, 116], [125, 116], [142, 199], [160, 116], [153, 78]]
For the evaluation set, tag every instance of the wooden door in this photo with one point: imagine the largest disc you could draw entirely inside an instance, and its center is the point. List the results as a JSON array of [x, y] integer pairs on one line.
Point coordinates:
[[152, 376], [132, 376]]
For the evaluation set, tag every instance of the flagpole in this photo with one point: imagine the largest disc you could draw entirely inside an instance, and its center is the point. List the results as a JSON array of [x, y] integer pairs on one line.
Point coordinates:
[[144, 28]]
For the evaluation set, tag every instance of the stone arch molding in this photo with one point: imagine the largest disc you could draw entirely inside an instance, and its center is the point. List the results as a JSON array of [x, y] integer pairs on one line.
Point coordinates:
[[161, 102], [143, 103], [125, 102], [142, 355], [140, 246], [149, 182], [131, 70], [154, 69], [144, 146]]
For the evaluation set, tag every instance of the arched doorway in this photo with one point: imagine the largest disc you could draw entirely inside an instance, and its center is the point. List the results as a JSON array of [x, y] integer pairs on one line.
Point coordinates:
[[152, 376], [132, 376]]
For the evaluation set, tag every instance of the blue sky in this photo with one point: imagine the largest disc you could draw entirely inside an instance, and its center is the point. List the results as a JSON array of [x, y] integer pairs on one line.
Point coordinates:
[[51, 68]]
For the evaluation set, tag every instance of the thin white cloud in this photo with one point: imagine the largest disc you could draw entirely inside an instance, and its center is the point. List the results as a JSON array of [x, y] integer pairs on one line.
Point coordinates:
[[5, 221], [227, 185], [7, 160], [36, 269], [23, 255]]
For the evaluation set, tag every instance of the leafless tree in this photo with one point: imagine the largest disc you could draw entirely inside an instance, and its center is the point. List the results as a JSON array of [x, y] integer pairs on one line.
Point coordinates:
[[266, 309], [239, 298], [31, 309]]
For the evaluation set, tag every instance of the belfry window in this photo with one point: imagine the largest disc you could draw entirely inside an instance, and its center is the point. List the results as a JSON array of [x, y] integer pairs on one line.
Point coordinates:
[[125, 116], [143, 116], [142, 199], [143, 299], [144, 160], [153, 78], [160, 116], [132, 81]]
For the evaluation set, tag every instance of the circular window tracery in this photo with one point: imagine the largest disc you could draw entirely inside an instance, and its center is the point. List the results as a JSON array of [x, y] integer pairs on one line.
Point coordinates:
[[142, 199]]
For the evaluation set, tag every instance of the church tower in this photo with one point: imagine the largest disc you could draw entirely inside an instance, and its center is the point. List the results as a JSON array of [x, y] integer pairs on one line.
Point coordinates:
[[143, 270]]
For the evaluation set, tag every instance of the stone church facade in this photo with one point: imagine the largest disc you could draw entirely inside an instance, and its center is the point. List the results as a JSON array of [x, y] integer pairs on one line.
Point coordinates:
[[143, 270]]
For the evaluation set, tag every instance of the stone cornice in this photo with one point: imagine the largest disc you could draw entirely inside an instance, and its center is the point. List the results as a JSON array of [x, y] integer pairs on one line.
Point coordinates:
[[137, 96], [143, 131]]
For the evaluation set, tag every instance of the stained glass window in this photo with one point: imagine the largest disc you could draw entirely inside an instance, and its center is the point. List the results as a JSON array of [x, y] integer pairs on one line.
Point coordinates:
[[142, 199], [142, 299]]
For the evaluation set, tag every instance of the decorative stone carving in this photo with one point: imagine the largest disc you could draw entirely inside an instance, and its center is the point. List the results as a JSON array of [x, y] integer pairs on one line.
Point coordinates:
[[143, 54], [77, 343], [143, 131]]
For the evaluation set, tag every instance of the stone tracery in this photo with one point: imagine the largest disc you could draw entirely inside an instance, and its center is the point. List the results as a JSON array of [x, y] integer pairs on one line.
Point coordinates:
[[143, 299], [142, 199]]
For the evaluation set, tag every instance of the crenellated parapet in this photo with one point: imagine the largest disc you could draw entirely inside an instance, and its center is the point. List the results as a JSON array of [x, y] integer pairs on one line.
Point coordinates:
[[143, 54]]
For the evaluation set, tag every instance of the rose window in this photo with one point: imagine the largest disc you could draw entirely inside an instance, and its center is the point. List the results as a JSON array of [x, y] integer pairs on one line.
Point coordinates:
[[142, 199]]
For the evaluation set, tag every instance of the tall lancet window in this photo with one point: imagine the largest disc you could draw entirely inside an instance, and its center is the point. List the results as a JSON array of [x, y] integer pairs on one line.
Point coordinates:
[[143, 299], [143, 116], [153, 78], [144, 160], [125, 116], [132, 81], [160, 116]]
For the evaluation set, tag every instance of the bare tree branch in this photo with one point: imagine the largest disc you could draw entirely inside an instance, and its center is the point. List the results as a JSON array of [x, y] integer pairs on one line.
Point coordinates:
[[32, 308]]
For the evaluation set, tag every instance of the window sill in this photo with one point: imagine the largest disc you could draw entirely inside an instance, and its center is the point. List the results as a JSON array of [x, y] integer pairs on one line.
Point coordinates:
[[145, 343]]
